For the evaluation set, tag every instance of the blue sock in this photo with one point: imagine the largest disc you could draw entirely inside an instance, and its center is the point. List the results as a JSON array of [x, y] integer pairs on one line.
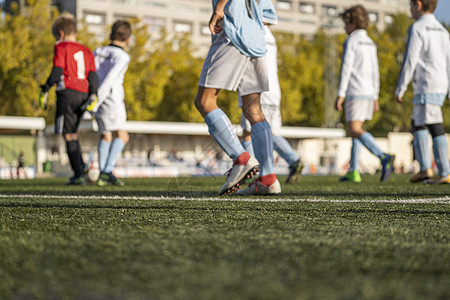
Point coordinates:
[[285, 150], [263, 147], [422, 149], [103, 152], [248, 146], [369, 142], [116, 147], [355, 154], [440, 150], [221, 130]]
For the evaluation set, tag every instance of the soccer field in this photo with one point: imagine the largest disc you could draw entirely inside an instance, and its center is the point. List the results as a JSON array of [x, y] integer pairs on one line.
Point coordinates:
[[174, 239]]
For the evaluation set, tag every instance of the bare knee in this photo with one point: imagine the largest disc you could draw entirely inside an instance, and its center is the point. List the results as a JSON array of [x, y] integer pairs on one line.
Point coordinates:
[[123, 135], [206, 100], [252, 109]]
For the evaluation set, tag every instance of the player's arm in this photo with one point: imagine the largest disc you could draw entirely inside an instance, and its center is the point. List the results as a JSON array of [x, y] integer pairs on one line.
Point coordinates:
[[215, 23], [338, 103], [410, 60], [53, 79], [348, 58]]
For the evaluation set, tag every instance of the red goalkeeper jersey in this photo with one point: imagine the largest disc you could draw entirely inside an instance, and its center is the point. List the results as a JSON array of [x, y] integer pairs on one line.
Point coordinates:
[[77, 62]]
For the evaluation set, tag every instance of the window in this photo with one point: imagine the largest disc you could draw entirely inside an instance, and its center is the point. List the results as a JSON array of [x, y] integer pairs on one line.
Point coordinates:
[[330, 11], [388, 19], [154, 23], [94, 18], [155, 4], [373, 17], [182, 27], [182, 7], [128, 2], [306, 8], [284, 4]]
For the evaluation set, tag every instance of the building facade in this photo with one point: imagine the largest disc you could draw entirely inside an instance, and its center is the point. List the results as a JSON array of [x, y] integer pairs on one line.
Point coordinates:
[[192, 16]]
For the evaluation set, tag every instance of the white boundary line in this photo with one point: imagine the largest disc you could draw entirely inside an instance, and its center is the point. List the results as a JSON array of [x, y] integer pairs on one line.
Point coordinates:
[[440, 200]]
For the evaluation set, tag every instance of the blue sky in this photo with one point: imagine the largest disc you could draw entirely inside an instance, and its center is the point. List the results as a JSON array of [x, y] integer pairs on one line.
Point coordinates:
[[442, 11]]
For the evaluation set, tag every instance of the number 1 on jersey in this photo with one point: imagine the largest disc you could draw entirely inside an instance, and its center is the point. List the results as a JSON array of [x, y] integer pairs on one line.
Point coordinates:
[[81, 70]]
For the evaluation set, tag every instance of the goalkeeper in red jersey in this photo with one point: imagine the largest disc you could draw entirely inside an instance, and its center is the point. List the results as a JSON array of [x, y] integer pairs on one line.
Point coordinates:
[[76, 91]]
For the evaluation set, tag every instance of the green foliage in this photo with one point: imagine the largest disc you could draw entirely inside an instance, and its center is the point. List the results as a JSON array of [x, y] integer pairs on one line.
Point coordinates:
[[27, 44], [161, 81]]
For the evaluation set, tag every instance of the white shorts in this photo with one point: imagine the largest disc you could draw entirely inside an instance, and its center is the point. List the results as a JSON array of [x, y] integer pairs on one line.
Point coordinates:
[[423, 114], [111, 117], [272, 115], [226, 68], [358, 110]]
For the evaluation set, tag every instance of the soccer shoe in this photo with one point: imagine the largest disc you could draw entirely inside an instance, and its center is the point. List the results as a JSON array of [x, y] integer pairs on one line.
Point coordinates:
[[294, 171], [438, 180], [256, 187], [351, 176], [387, 166], [241, 171], [107, 178], [76, 181], [421, 176]]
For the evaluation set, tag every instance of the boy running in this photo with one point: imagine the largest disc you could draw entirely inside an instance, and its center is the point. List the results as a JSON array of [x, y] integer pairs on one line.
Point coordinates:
[[270, 101], [235, 61], [74, 73], [360, 85], [112, 62], [427, 62]]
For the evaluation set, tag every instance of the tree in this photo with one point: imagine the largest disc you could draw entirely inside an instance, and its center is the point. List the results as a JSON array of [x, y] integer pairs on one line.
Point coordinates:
[[27, 44]]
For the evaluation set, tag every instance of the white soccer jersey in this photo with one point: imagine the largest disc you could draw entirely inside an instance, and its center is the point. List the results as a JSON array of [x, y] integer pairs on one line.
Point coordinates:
[[427, 59], [273, 96], [360, 77], [111, 63]]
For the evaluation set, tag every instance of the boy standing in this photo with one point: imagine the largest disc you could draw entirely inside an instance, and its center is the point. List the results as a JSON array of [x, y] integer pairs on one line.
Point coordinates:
[[359, 85], [270, 101], [74, 73], [427, 60], [112, 62], [236, 61]]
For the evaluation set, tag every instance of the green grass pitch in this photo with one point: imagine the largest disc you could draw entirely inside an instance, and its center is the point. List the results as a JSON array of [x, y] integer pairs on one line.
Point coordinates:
[[174, 239]]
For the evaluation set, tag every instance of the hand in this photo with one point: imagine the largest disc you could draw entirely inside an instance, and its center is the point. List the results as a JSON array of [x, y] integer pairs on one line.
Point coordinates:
[[399, 99], [43, 100], [376, 105], [215, 23], [338, 103], [90, 104]]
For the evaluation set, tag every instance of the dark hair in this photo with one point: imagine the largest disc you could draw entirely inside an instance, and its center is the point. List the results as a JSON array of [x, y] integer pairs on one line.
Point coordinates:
[[356, 15], [428, 5], [64, 23], [121, 30]]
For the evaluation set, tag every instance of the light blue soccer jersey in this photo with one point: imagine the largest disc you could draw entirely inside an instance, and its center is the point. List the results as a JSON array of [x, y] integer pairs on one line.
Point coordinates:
[[244, 27]]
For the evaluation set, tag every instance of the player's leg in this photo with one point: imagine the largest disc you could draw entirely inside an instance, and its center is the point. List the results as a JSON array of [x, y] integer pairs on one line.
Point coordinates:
[[246, 141], [272, 113], [104, 145], [262, 141], [355, 154], [219, 124], [74, 153], [367, 139], [68, 108], [221, 130], [440, 150], [116, 148], [421, 140]]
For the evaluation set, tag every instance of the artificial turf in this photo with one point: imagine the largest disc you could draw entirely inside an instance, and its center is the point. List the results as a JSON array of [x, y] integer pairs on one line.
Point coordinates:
[[59, 242]]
